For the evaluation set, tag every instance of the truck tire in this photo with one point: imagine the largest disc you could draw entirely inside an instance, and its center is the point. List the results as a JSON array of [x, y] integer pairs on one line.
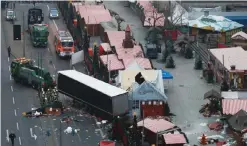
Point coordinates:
[[34, 86]]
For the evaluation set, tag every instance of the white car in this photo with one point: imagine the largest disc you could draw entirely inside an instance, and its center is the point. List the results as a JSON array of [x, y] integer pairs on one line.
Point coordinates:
[[10, 14], [54, 13]]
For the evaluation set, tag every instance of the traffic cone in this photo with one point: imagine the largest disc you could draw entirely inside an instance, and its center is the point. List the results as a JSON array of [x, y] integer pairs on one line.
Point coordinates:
[[203, 140]]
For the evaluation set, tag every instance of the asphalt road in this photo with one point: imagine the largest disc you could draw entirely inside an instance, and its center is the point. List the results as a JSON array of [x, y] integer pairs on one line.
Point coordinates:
[[17, 98], [186, 90]]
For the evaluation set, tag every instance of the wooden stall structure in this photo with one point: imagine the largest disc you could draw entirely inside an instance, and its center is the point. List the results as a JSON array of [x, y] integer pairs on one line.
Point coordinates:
[[230, 63], [240, 39]]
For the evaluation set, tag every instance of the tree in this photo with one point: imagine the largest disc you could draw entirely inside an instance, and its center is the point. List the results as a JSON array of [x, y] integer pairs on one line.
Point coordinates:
[[152, 17], [118, 19], [165, 54], [188, 53], [175, 15], [198, 62], [135, 134], [170, 62], [95, 59]]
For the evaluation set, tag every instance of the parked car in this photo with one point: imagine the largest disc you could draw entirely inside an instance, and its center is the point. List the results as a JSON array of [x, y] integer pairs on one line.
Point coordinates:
[[10, 15], [54, 13]]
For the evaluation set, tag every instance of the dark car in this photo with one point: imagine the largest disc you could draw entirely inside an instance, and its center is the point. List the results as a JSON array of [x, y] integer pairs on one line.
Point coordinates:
[[54, 13]]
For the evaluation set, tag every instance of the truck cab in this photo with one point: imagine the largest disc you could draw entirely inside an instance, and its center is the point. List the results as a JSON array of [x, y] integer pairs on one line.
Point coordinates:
[[151, 50], [64, 44], [10, 14], [25, 72], [35, 16], [39, 35]]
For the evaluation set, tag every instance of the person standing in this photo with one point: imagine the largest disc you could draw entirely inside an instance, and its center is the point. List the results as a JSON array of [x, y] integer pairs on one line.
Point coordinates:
[[12, 137], [9, 51]]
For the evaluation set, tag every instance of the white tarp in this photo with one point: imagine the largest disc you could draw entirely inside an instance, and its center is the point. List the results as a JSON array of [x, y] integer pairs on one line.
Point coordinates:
[[77, 57]]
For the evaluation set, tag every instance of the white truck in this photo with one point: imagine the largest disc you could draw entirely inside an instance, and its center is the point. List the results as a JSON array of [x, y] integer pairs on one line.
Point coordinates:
[[107, 100]]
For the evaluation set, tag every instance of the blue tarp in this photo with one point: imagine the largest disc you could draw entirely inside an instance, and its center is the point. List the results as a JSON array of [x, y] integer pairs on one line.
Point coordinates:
[[239, 19], [166, 75]]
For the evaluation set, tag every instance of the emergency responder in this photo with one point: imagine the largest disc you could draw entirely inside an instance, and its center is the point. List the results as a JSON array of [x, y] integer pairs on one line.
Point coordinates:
[[9, 51], [12, 137]]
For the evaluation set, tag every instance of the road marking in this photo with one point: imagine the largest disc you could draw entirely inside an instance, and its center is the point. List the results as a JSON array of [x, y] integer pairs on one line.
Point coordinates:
[[15, 113], [13, 100], [20, 140], [7, 137], [17, 125], [8, 59], [9, 68], [48, 49], [48, 7], [10, 78], [54, 66], [11, 88], [55, 24], [101, 132]]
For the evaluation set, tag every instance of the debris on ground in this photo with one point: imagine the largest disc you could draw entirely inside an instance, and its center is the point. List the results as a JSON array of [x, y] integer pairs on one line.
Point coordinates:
[[216, 126], [208, 110]]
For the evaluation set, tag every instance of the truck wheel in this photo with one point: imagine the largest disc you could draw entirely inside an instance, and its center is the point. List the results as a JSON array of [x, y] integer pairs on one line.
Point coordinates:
[[34, 86]]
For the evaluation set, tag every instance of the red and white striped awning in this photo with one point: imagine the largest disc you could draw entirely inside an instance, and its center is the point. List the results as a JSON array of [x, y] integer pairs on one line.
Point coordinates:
[[174, 138], [232, 106]]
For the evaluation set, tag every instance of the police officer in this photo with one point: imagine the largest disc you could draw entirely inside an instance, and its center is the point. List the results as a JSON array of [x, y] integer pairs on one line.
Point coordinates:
[[9, 51], [12, 137]]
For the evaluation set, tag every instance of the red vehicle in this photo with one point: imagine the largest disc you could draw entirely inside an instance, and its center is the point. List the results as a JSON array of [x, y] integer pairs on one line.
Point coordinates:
[[106, 143]]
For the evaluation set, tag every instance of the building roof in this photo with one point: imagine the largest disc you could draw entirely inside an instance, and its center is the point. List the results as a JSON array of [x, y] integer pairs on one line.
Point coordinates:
[[93, 14], [195, 15], [212, 94], [146, 92], [174, 138], [134, 66], [238, 121], [113, 62], [234, 95], [128, 55], [127, 78], [232, 56], [232, 106], [156, 125], [143, 62], [214, 23], [94, 83], [241, 34], [151, 13], [106, 47]]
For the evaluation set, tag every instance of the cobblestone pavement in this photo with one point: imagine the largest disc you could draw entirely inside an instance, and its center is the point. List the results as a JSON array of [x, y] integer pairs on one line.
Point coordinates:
[[186, 91]]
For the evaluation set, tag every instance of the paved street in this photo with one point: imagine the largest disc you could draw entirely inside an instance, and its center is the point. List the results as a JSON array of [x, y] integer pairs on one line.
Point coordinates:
[[185, 93], [17, 98]]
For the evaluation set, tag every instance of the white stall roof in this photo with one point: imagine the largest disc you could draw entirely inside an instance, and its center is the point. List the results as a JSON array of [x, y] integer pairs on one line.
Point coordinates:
[[96, 84], [232, 56], [234, 95]]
